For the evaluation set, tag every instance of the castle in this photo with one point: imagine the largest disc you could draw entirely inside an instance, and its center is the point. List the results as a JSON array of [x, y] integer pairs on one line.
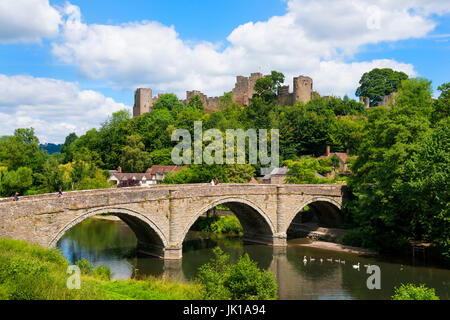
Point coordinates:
[[242, 94]]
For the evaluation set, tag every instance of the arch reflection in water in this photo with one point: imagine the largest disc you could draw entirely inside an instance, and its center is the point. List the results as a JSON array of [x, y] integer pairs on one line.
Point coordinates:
[[114, 244]]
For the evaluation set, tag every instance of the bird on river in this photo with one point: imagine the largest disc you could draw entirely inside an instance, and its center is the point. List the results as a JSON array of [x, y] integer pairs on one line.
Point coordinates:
[[338, 260], [311, 259], [330, 260], [321, 260], [356, 266], [343, 261], [304, 260]]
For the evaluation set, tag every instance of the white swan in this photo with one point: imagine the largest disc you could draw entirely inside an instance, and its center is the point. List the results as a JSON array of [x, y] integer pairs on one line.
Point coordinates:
[[343, 261], [311, 259], [338, 260], [356, 266], [321, 260], [330, 260], [304, 259]]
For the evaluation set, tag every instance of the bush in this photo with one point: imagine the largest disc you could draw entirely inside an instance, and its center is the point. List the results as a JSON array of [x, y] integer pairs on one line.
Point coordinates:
[[103, 272], [240, 281], [227, 225], [85, 266], [411, 292]]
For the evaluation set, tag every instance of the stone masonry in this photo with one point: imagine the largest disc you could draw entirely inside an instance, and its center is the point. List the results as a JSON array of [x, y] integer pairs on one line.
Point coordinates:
[[143, 101], [162, 215], [242, 94]]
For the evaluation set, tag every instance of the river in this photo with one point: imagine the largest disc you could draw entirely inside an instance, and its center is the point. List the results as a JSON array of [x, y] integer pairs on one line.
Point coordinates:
[[112, 243]]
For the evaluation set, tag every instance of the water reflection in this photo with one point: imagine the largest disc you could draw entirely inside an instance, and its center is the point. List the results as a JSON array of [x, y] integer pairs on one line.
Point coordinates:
[[112, 243]]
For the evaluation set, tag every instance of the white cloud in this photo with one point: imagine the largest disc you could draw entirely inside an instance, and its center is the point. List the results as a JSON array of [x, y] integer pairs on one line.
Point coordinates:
[[27, 20], [317, 38], [54, 108]]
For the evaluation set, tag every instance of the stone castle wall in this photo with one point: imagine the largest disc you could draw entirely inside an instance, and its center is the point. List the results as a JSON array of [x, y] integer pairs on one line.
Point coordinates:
[[143, 101], [386, 100], [242, 94]]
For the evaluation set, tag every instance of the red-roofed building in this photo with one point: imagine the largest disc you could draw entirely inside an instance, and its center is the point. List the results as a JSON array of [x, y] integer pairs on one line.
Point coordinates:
[[341, 156], [154, 175]]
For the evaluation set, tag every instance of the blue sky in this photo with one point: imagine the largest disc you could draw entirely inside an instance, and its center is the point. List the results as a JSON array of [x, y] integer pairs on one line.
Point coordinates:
[[67, 65]]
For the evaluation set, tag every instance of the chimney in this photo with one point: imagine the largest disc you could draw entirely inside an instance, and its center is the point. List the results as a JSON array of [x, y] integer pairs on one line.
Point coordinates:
[[328, 151], [119, 169]]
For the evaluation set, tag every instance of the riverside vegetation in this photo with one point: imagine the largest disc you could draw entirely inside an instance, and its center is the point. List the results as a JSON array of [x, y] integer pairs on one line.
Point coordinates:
[[30, 272]]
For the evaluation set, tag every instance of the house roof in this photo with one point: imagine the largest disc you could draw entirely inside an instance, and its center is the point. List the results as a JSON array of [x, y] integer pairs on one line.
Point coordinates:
[[128, 176], [253, 181], [164, 169], [341, 155]]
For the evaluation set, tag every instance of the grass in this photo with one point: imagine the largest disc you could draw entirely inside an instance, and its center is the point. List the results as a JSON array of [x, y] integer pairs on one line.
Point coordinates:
[[30, 272]]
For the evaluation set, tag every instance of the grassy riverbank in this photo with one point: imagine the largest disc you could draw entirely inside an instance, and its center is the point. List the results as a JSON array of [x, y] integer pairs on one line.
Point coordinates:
[[32, 272]]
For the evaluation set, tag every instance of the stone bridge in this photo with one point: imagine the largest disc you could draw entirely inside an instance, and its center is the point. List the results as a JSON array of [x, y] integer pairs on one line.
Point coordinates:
[[161, 216]]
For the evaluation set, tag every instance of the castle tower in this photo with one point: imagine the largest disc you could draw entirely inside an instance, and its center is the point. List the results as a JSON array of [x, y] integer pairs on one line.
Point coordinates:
[[244, 88], [303, 89], [143, 101]]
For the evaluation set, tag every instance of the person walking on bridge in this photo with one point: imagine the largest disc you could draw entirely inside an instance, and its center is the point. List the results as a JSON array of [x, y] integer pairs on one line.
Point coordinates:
[[60, 193]]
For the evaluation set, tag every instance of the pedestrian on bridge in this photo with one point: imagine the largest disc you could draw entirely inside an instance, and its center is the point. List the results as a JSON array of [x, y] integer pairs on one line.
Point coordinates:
[[60, 193], [16, 196]]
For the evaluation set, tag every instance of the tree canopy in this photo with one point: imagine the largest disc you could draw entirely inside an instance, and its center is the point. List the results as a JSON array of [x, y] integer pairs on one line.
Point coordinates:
[[379, 83]]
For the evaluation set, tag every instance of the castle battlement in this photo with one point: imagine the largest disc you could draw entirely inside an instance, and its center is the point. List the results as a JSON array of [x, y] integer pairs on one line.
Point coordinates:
[[242, 94]]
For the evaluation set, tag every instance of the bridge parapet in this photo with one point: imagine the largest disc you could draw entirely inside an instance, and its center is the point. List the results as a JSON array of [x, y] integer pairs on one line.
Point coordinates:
[[161, 215]]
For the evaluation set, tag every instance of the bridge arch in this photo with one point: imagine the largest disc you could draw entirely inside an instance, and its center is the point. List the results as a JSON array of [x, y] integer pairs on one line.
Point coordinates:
[[327, 210], [151, 239], [256, 224]]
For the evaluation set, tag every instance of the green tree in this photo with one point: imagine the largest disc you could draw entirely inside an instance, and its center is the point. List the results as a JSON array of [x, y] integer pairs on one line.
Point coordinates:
[[428, 188], [379, 83], [304, 170], [226, 102], [16, 181], [239, 173], [345, 133], [162, 157], [196, 102], [21, 150], [168, 101], [304, 132], [268, 86], [388, 175], [442, 104], [134, 158], [66, 149]]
